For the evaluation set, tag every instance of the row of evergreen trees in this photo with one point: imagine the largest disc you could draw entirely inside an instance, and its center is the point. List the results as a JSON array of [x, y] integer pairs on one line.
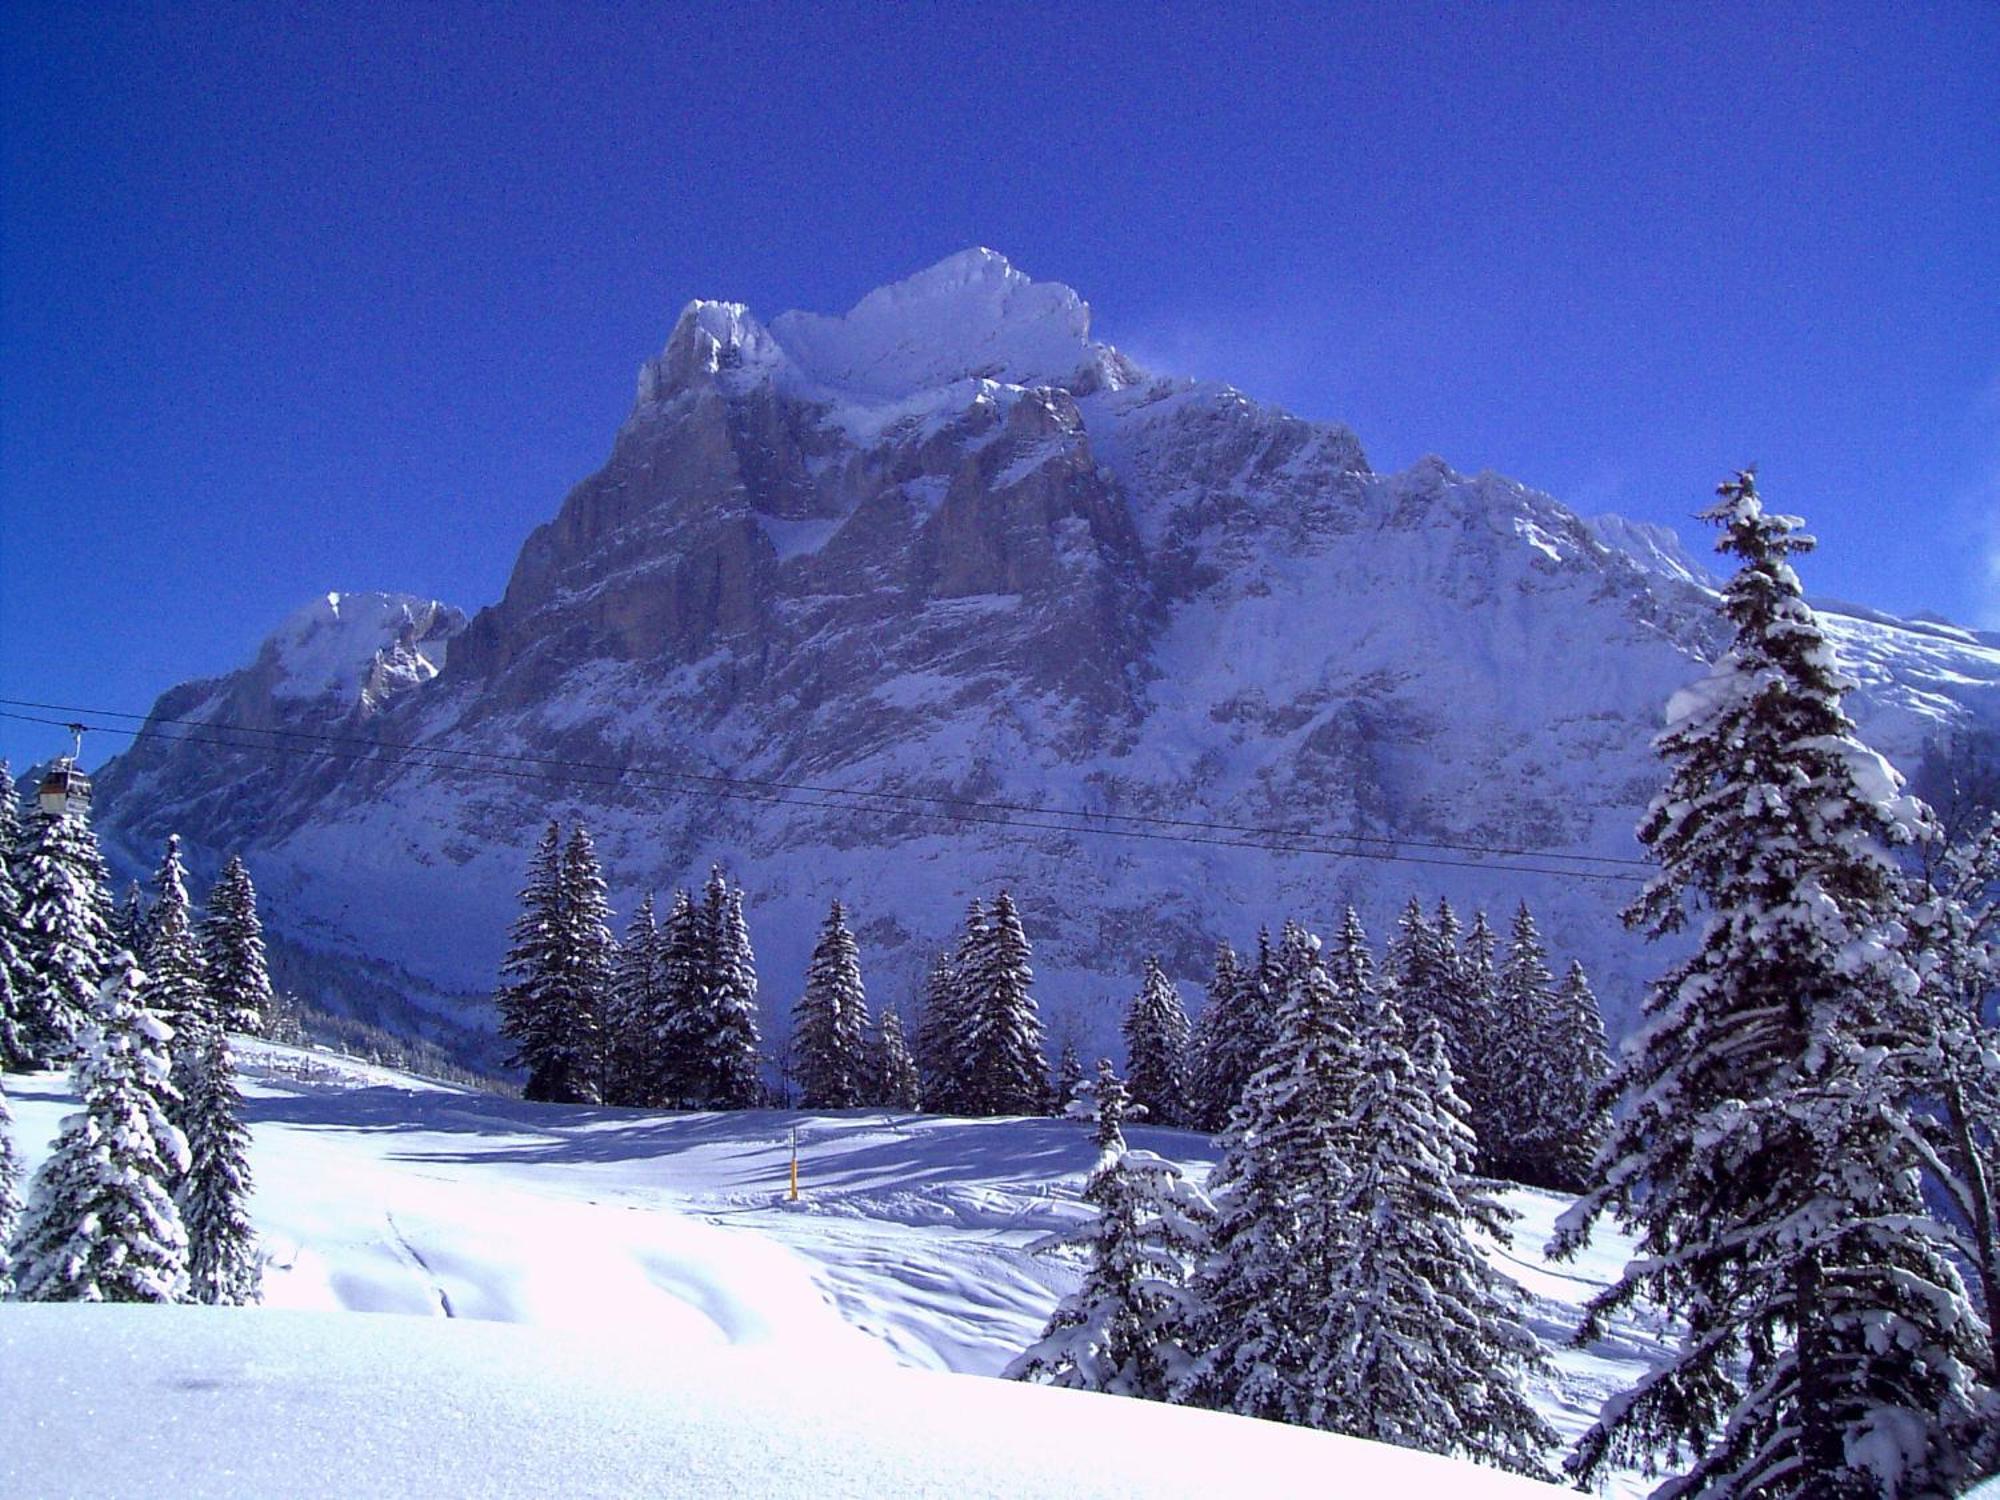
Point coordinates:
[[1327, 1276], [1805, 1150], [143, 1197]]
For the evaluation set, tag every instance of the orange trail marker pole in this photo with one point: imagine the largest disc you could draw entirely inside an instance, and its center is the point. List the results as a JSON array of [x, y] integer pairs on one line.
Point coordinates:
[[795, 1164]]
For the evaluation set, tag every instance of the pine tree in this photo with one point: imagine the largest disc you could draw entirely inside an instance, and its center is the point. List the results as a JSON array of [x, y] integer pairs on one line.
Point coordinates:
[[65, 933], [177, 987], [1265, 1279], [14, 973], [1008, 1072], [1577, 1119], [1953, 1059], [10, 1196], [573, 1059], [1156, 1047], [536, 1005], [678, 1036], [948, 1025], [131, 921], [232, 947], [1763, 1159], [1526, 1128], [730, 1063], [1235, 1029], [829, 1022], [214, 1196], [896, 1084], [101, 1224], [632, 1011], [1421, 1344], [1123, 1329], [1473, 1038], [1069, 1074]]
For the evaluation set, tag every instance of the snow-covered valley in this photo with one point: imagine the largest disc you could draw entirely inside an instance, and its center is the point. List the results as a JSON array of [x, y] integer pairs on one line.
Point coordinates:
[[684, 1328]]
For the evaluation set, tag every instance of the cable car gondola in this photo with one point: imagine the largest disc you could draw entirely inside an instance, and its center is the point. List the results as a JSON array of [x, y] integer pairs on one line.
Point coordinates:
[[65, 789]]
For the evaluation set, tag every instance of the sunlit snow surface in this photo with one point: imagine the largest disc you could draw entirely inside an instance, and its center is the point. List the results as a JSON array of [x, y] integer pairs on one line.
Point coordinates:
[[693, 1323]]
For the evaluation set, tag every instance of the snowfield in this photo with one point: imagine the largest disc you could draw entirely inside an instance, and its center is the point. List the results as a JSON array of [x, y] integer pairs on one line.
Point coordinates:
[[686, 1330]]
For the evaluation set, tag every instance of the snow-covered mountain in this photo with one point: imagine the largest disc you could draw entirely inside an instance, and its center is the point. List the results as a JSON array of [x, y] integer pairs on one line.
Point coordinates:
[[950, 548]]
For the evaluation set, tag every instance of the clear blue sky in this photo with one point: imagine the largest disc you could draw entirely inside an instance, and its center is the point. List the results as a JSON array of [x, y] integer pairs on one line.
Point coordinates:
[[308, 297]]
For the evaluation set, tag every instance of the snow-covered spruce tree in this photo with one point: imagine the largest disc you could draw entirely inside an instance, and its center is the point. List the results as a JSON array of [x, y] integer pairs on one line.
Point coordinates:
[[829, 1023], [10, 1196], [1264, 1281], [1008, 1071], [721, 1031], [131, 921], [948, 1026], [677, 1038], [64, 935], [630, 1010], [1763, 1159], [1420, 1343], [176, 986], [1954, 1059], [1527, 1127], [1472, 1036], [1156, 1048], [14, 974], [101, 1224], [1235, 1030], [1068, 1075], [1124, 1328], [589, 960], [1577, 1119], [214, 1195], [893, 1071], [232, 949], [537, 1004]]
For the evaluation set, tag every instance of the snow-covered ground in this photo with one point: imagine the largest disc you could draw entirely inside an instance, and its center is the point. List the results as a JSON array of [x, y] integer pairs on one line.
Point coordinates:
[[689, 1321]]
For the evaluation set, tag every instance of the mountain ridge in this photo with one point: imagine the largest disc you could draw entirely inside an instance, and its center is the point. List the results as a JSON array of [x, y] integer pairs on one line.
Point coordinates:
[[1102, 590]]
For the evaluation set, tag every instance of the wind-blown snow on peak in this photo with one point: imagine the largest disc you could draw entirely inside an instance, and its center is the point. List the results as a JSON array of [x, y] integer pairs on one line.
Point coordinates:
[[970, 315], [363, 645]]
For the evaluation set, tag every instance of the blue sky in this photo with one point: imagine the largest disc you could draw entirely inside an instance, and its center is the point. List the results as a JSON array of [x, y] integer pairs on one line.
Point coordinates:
[[308, 298]]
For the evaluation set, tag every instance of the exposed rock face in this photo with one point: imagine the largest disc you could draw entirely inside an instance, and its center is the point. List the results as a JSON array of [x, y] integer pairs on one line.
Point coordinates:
[[948, 547]]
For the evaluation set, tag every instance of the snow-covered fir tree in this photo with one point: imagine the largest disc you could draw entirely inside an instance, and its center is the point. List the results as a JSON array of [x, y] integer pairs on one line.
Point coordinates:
[[1421, 1342], [232, 949], [948, 1025], [728, 1064], [1422, 963], [130, 921], [1526, 1128], [101, 1224], [64, 932], [10, 1196], [1472, 1037], [1124, 1328], [1156, 1048], [893, 1071], [1953, 1059], [1236, 1028], [214, 1195], [176, 985], [1577, 1119], [632, 1011], [1264, 1282], [677, 1029], [14, 977], [1069, 1073], [1007, 1070], [1764, 1159], [548, 1007], [830, 1022]]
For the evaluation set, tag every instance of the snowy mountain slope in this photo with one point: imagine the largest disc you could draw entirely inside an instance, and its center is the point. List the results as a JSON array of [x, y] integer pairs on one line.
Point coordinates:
[[377, 1192], [950, 547]]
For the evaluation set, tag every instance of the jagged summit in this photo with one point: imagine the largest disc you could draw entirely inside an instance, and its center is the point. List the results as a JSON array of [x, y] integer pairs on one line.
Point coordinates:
[[972, 316]]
